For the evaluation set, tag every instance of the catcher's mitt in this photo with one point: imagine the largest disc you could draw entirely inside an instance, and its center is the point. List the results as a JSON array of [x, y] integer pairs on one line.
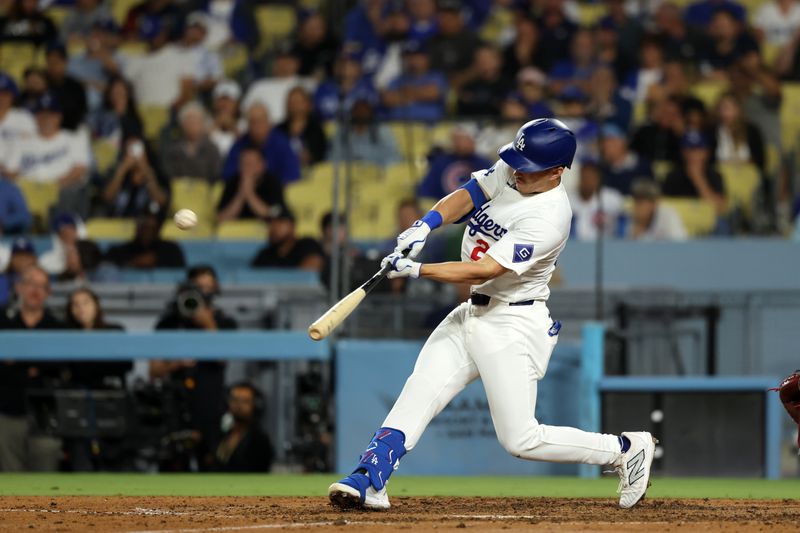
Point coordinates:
[[789, 391]]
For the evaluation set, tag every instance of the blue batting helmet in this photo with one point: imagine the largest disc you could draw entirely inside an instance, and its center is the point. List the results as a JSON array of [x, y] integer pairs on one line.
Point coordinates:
[[540, 144]]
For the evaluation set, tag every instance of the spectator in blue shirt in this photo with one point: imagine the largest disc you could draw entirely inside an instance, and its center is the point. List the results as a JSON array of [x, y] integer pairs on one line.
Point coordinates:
[[700, 13], [348, 80], [418, 93], [579, 67], [606, 103], [527, 101], [621, 166], [281, 159], [423, 24], [369, 26], [14, 214], [449, 170]]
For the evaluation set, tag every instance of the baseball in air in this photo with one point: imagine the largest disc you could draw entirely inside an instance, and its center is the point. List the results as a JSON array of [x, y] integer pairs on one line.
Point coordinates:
[[185, 219]]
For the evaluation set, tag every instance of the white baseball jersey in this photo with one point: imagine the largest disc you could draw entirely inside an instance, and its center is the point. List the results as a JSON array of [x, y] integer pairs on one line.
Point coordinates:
[[17, 124], [524, 233], [45, 160]]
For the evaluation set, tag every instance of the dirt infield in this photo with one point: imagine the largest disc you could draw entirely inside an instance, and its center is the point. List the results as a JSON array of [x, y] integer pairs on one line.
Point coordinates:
[[229, 514]]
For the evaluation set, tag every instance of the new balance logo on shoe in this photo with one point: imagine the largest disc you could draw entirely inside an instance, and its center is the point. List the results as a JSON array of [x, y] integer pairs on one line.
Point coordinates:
[[636, 468]]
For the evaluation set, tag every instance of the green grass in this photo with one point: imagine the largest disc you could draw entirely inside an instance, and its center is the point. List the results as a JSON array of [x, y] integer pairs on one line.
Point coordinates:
[[316, 485]]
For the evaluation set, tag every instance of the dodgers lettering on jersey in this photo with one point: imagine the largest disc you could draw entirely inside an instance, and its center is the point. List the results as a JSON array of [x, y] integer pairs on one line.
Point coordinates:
[[524, 233]]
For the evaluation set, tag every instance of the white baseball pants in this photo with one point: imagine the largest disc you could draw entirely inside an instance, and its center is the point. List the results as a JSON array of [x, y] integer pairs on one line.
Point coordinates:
[[509, 348]]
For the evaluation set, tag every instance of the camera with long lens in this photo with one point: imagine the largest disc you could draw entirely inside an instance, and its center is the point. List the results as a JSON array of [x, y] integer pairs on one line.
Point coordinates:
[[189, 299]]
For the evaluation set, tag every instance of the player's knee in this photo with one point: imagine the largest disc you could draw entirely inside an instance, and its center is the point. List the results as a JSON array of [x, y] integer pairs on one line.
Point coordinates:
[[522, 441]]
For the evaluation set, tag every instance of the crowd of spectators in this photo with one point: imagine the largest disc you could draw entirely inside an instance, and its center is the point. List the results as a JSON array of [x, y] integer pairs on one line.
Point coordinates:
[[623, 81]]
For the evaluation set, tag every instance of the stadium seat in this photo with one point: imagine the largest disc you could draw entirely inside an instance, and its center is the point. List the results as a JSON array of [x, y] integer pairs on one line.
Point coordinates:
[[195, 194], [111, 228], [413, 139], [440, 134], [769, 53], [374, 213], [254, 230], [16, 57], [590, 14], [105, 155], [40, 197], [275, 23], [133, 48], [234, 59], [790, 115], [401, 179], [497, 24], [120, 8], [154, 118], [741, 182], [709, 92], [309, 201], [699, 216], [57, 14], [170, 231]]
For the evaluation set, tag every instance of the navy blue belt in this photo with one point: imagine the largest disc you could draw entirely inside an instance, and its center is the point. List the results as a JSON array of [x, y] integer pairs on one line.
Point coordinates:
[[482, 299]]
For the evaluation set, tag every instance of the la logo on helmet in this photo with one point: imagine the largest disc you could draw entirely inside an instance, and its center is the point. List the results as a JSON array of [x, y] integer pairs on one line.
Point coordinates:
[[520, 144]]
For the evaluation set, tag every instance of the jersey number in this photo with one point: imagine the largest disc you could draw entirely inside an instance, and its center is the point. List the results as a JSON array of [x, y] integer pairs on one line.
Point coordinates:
[[479, 250]]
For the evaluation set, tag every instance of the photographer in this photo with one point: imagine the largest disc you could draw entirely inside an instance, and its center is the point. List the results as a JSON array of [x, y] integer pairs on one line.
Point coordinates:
[[244, 447], [201, 382]]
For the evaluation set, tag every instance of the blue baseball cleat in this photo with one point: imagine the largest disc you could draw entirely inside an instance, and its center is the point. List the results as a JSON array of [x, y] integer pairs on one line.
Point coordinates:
[[356, 492]]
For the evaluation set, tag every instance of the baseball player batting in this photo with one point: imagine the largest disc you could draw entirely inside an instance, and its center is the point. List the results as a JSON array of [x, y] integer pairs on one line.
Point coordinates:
[[518, 220]]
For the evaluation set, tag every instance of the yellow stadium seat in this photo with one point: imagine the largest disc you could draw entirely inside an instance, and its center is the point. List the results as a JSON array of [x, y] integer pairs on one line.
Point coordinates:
[[413, 139], [234, 59], [40, 197], [374, 213], [16, 57], [274, 23], [500, 19], [773, 160], [400, 180], [133, 48], [154, 118], [105, 154], [170, 231], [120, 8], [741, 182], [111, 228], [309, 202], [242, 230], [57, 14], [790, 115], [195, 194], [440, 134], [590, 14], [699, 216], [769, 53], [709, 92]]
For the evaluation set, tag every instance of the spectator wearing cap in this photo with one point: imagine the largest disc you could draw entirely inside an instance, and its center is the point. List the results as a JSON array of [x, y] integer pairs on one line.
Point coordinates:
[[271, 92], [696, 177], [118, 118], [20, 447], [579, 67], [100, 60], [81, 19], [14, 215], [303, 128], [620, 165], [525, 50], [651, 219], [450, 169], [65, 88], [147, 249], [571, 109], [206, 63], [225, 116], [700, 14], [556, 31], [367, 139], [315, 46], [606, 102], [650, 70], [230, 22], [253, 193], [482, 94], [73, 256], [367, 28], [452, 50], [137, 185], [54, 155], [729, 43], [733, 139], [681, 42], [285, 249], [419, 93], [528, 100], [161, 77], [596, 208], [274, 146], [777, 21], [24, 22], [660, 138], [423, 22], [15, 124], [347, 85], [22, 256], [162, 13], [193, 154]]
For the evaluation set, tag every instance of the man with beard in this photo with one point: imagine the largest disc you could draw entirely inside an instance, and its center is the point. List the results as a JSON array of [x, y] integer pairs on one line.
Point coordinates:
[[244, 447], [285, 249]]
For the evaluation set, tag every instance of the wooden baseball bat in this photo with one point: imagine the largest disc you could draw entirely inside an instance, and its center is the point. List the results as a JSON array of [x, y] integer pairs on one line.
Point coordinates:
[[337, 314]]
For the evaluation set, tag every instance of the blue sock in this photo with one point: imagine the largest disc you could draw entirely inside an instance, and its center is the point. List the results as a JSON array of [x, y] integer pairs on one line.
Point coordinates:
[[624, 444]]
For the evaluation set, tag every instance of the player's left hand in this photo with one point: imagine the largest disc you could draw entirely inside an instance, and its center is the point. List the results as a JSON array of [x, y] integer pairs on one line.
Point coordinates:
[[401, 267]]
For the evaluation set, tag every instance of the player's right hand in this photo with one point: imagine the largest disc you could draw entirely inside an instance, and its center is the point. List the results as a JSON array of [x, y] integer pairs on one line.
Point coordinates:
[[413, 239]]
